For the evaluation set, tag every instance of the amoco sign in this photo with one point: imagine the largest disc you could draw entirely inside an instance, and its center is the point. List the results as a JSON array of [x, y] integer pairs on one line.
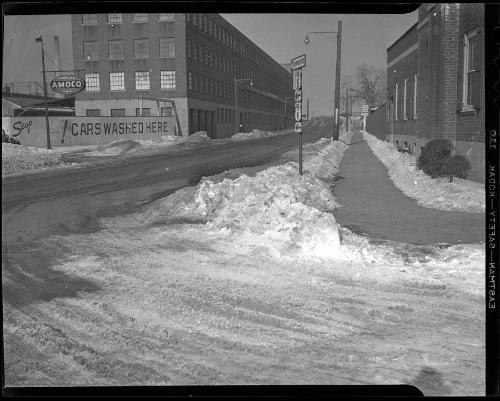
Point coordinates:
[[67, 84]]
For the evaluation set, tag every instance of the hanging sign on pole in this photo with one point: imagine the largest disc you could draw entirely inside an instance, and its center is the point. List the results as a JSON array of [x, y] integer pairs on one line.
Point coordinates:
[[297, 64]]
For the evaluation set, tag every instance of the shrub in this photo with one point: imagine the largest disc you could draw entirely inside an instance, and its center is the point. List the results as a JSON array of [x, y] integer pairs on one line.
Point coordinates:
[[434, 156], [456, 166]]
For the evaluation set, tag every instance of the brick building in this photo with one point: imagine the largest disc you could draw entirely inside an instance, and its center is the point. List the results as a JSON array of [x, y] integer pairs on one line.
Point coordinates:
[[442, 55], [133, 62]]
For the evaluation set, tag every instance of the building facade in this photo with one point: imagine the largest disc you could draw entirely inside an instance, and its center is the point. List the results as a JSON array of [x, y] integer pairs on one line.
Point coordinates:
[[137, 64], [435, 79]]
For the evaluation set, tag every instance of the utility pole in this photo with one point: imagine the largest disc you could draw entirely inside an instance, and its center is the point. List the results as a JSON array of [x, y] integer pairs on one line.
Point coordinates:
[[40, 39], [307, 113], [337, 81]]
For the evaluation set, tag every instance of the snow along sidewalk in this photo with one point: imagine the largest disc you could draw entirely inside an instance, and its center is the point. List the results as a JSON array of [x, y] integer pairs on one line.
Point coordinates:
[[416, 184], [373, 205]]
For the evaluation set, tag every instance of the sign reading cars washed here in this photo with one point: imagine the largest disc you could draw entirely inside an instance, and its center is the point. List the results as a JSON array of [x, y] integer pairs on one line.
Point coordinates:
[[298, 126], [299, 62], [67, 84]]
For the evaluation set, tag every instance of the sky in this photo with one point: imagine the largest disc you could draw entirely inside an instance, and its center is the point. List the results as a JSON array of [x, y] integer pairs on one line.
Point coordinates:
[[365, 38]]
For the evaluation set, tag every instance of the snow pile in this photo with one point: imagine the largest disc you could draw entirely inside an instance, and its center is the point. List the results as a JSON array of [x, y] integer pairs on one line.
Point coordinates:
[[418, 185], [164, 141], [199, 137], [116, 148], [326, 163], [18, 158], [277, 208], [256, 134]]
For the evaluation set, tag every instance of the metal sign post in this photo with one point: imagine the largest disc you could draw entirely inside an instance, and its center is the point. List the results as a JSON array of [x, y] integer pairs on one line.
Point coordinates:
[[297, 64]]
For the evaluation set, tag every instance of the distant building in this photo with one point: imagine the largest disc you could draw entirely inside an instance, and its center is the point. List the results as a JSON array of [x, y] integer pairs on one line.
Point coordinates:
[[200, 61], [20, 104], [436, 81]]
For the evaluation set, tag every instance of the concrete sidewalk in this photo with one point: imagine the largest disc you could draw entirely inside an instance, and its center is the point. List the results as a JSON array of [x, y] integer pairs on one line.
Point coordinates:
[[373, 205]]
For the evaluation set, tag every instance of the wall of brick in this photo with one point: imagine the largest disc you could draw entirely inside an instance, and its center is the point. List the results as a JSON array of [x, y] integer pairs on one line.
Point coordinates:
[[376, 123]]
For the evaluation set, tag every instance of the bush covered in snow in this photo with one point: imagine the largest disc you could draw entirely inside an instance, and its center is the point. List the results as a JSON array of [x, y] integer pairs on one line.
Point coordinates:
[[18, 158], [416, 184], [434, 156], [456, 166]]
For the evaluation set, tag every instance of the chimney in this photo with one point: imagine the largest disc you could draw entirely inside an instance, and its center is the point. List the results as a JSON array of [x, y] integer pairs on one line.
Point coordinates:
[[57, 53]]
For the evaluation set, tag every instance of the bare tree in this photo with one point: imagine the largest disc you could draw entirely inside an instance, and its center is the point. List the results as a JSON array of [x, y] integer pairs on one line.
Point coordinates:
[[370, 85]]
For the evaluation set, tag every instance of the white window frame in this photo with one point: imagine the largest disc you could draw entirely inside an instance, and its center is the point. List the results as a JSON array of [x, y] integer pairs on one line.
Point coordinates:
[[114, 19], [415, 115], [114, 77], [465, 71], [166, 17], [144, 83], [136, 49], [405, 117], [396, 103], [96, 54], [167, 80], [169, 47], [86, 19], [91, 78], [140, 18]]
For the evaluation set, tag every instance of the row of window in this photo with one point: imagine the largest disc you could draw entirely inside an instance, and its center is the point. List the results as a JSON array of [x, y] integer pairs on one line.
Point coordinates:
[[166, 48], [117, 18], [142, 81], [144, 112], [205, 23], [405, 99], [405, 94], [225, 90], [220, 62]]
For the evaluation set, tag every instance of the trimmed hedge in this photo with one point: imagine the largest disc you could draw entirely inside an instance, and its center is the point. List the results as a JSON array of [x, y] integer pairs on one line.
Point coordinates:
[[436, 160]]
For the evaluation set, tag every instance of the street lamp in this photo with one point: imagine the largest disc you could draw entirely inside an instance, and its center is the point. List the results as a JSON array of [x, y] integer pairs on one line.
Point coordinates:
[[287, 97], [335, 135], [237, 117], [40, 39]]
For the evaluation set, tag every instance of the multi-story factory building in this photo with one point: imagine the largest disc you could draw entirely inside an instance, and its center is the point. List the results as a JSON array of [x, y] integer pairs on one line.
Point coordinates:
[[133, 63]]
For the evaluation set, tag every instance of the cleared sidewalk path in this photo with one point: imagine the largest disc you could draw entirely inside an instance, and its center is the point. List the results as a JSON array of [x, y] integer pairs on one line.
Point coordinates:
[[374, 206]]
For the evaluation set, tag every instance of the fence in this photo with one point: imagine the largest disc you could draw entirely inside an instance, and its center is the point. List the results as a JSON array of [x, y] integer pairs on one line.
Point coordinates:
[[70, 131]]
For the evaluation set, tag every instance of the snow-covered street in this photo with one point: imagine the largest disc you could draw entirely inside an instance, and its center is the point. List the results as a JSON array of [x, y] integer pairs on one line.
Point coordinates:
[[245, 278]]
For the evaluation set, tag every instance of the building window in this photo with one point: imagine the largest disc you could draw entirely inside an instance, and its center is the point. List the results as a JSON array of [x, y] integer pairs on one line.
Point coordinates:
[[167, 79], [166, 17], [92, 112], [195, 51], [117, 112], [471, 78], [115, 49], [92, 82], [139, 17], [167, 47], [415, 98], [90, 51], [141, 48], [89, 19], [116, 81], [189, 48], [195, 82], [405, 99], [396, 103], [166, 112], [190, 80], [146, 112], [142, 80], [188, 17], [115, 19]]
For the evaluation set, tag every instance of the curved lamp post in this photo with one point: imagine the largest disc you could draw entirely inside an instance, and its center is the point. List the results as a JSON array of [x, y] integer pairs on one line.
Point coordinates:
[[335, 135]]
